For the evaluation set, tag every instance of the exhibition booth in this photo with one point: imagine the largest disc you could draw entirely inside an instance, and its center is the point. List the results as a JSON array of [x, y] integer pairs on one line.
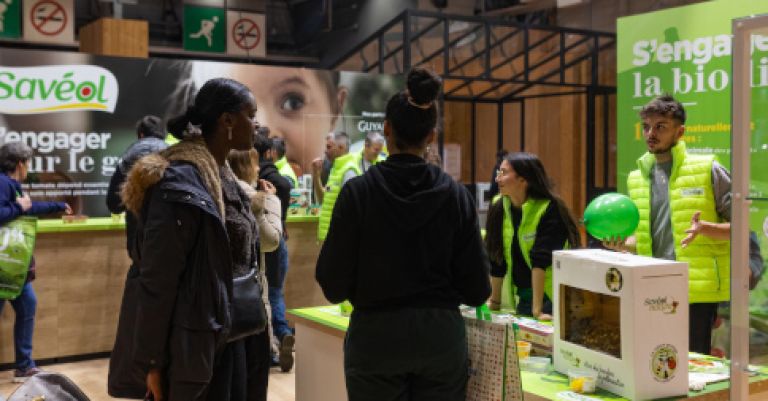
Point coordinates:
[[548, 91]]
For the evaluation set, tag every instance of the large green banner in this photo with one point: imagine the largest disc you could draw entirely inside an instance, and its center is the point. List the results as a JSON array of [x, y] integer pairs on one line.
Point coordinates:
[[686, 52]]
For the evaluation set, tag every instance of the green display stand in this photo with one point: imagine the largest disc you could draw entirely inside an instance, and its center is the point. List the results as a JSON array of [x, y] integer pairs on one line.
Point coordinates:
[[545, 385]]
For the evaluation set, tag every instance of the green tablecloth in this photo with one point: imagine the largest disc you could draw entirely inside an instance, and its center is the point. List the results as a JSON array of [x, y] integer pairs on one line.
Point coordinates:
[[543, 385]]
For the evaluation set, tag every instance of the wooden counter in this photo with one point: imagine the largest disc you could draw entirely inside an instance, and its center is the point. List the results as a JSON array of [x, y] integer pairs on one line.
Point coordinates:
[[80, 276], [79, 286], [301, 289]]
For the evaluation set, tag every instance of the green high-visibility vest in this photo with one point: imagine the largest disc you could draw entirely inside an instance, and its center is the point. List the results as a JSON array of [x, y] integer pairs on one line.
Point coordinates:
[[341, 165], [690, 190], [285, 169], [533, 210], [359, 159]]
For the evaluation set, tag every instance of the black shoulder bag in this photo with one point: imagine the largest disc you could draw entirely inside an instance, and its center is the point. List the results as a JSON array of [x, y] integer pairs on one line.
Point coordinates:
[[249, 316]]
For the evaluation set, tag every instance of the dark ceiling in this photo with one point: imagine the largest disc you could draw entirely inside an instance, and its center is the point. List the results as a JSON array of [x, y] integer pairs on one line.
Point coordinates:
[[294, 27], [301, 28]]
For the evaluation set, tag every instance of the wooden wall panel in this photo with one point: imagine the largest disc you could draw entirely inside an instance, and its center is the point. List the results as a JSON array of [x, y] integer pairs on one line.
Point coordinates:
[[458, 129], [555, 130], [115, 37], [511, 127], [486, 127]]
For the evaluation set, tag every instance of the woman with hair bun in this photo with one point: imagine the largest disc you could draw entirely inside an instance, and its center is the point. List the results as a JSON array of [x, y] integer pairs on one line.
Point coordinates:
[[404, 248], [195, 234]]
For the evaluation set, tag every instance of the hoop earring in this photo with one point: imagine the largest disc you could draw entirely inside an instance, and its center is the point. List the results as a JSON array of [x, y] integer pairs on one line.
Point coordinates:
[[229, 133]]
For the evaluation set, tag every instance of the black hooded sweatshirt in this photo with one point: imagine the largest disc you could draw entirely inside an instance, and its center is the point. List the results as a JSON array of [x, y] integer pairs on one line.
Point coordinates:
[[404, 234]]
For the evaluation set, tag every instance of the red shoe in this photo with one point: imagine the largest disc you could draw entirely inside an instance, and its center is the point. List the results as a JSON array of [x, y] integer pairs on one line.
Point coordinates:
[[20, 376]]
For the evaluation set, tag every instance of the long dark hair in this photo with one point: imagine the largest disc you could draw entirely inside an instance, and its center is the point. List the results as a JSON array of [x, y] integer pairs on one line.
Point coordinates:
[[412, 113], [529, 167], [217, 96]]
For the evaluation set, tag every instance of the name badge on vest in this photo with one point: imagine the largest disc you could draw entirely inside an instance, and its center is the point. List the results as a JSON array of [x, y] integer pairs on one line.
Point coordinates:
[[529, 236], [692, 192]]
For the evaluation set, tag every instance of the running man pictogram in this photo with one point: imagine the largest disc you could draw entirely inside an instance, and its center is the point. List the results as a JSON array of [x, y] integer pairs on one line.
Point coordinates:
[[4, 6], [206, 30]]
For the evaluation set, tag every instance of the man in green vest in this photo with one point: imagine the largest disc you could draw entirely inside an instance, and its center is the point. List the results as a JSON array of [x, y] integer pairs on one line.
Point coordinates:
[[684, 201], [346, 167], [372, 151], [336, 144], [285, 169]]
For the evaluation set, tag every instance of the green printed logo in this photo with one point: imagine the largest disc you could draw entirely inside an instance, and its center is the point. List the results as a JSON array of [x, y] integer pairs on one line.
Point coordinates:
[[51, 89]]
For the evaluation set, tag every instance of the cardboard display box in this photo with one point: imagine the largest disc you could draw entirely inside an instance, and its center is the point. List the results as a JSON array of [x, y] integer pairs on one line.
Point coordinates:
[[625, 317]]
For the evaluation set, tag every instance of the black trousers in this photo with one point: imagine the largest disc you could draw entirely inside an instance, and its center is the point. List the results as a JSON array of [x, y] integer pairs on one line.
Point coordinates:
[[701, 320], [242, 371], [417, 354]]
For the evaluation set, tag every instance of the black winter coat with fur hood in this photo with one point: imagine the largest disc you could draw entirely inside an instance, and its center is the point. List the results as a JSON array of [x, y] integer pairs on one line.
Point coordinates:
[[175, 312]]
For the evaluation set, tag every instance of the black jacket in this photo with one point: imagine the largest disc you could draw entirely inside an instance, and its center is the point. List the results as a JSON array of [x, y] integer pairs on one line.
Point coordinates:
[[136, 151], [404, 234], [268, 171], [175, 313]]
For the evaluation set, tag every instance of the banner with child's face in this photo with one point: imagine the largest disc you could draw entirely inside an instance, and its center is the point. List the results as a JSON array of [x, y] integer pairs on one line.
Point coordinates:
[[79, 112]]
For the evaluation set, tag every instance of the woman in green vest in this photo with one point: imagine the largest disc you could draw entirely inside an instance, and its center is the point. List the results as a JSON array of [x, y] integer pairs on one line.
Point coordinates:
[[525, 223]]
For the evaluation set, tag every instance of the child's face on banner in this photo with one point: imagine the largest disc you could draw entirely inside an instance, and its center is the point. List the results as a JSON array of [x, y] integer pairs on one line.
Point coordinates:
[[295, 104]]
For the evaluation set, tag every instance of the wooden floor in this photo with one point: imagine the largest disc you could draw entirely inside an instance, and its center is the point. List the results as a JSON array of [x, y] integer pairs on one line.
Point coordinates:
[[91, 377]]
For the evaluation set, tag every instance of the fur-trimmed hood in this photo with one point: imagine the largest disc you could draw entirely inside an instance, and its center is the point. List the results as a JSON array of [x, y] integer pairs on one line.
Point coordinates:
[[150, 169]]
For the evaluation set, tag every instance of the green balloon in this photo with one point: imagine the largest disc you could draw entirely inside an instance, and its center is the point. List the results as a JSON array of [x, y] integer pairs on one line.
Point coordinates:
[[611, 215]]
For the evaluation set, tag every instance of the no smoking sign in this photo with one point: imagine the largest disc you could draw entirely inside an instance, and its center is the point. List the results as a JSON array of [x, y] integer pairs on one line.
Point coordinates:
[[48, 21], [48, 17], [247, 36]]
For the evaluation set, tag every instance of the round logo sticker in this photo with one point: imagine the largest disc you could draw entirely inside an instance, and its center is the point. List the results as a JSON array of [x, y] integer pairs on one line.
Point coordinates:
[[664, 362], [613, 279]]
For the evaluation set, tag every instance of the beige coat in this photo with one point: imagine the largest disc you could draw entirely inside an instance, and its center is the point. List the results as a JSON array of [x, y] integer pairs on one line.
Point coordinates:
[[266, 210]]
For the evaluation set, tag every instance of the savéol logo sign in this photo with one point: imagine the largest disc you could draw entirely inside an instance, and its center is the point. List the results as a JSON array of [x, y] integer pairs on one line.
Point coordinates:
[[56, 88]]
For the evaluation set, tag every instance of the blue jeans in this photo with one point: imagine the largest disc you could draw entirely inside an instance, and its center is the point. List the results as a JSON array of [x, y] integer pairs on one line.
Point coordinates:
[[24, 305], [275, 292]]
